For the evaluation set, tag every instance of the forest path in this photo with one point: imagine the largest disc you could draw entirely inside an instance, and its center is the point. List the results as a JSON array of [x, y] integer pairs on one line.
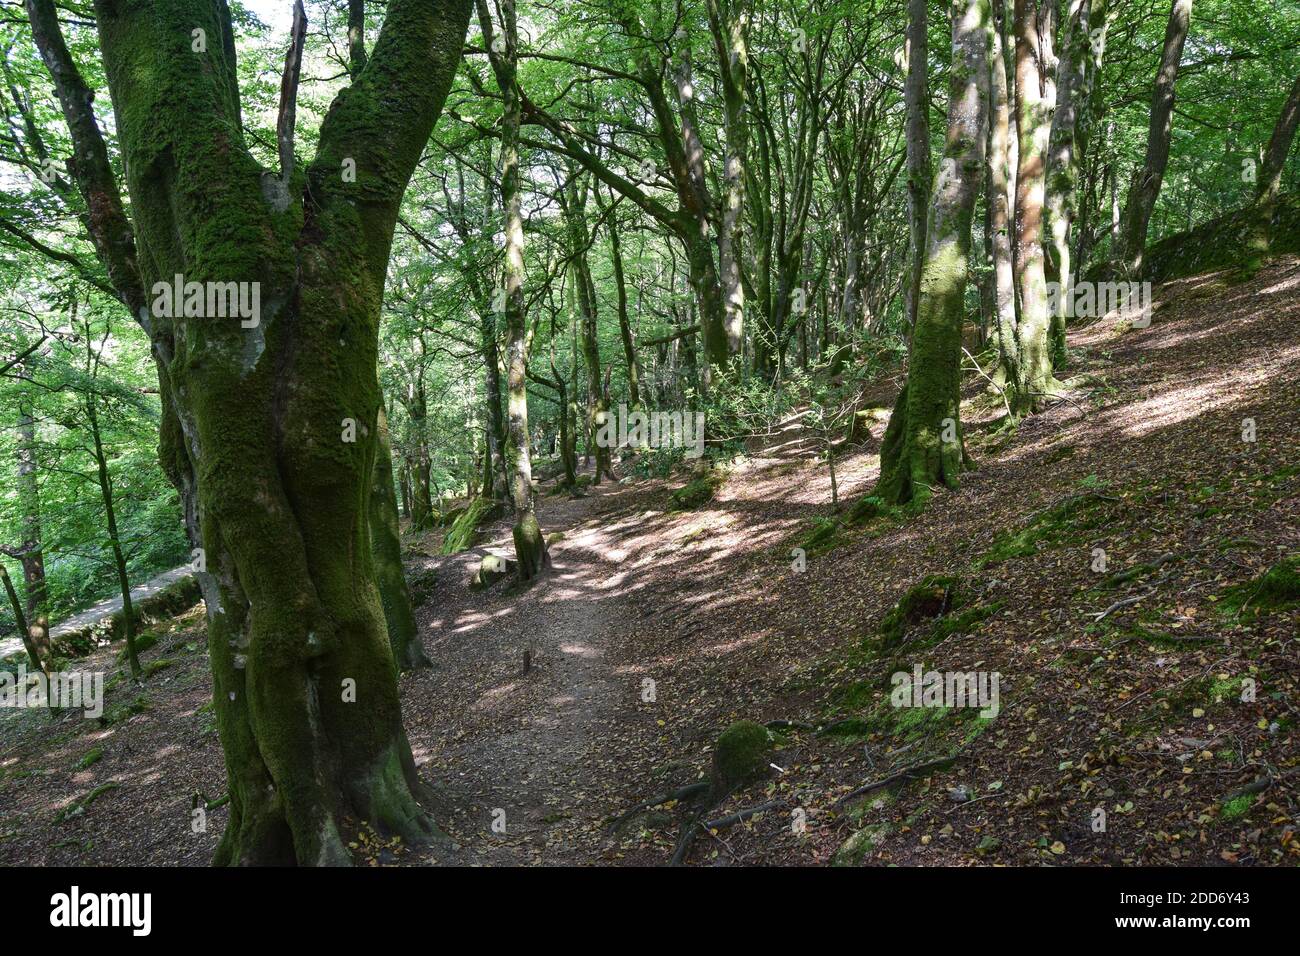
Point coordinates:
[[523, 751], [103, 609]]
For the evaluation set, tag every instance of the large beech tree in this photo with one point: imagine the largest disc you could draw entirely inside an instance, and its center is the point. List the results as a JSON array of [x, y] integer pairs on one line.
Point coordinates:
[[270, 431], [922, 448]]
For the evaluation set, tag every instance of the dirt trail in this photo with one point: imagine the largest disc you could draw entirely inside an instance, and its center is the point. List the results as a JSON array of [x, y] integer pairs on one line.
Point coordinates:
[[104, 609], [520, 749]]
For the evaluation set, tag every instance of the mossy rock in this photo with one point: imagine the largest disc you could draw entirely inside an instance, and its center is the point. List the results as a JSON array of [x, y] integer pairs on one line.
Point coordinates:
[[154, 666], [555, 537], [696, 492], [465, 529], [740, 756], [931, 599], [1227, 242], [858, 846], [92, 757], [1277, 589], [491, 569], [121, 712], [143, 642]]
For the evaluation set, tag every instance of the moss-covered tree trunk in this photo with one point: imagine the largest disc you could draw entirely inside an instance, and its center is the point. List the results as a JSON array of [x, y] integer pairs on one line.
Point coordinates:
[[531, 554], [1144, 188], [923, 447], [275, 418], [386, 549]]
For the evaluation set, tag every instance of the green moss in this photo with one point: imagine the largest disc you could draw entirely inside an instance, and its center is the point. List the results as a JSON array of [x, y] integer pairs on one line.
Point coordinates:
[[820, 537], [1237, 807], [696, 492], [858, 846], [143, 642], [78, 807], [741, 755], [1061, 523], [1277, 589], [121, 712], [932, 598], [154, 666], [865, 509], [91, 758]]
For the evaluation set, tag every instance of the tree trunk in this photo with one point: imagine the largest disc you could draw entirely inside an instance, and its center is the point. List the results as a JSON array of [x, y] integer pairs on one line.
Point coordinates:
[[30, 550], [386, 549], [575, 202], [39, 661], [1269, 182], [1063, 170], [998, 199], [916, 96], [275, 420], [923, 448], [531, 554], [105, 482], [1145, 186], [729, 25], [1034, 382], [624, 324]]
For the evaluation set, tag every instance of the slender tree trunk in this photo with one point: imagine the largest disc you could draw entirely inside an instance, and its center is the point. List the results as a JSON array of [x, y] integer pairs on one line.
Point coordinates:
[[39, 661], [30, 548], [922, 448], [105, 482], [1063, 170], [999, 200], [624, 325], [916, 96], [597, 407], [729, 24], [531, 553], [1034, 382], [386, 548], [1145, 186]]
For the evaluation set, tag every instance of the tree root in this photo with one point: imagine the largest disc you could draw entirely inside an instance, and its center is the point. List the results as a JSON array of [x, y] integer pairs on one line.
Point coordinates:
[[916, 770], [688, 792]]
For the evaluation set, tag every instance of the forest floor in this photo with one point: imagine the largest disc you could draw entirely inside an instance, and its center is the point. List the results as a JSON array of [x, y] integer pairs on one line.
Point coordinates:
[[1121, 690]]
